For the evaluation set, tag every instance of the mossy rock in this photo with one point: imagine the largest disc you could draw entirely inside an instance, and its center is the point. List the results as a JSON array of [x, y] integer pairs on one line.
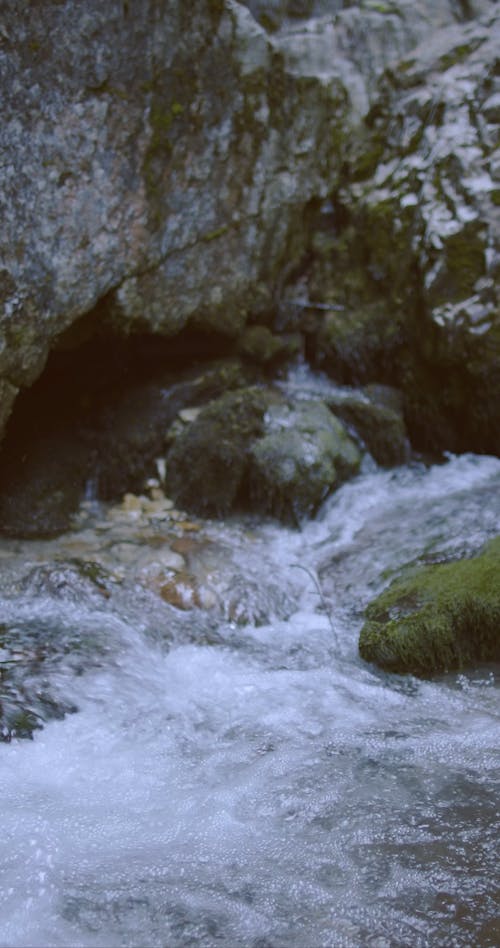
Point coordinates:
[[358, 346], [463, 264], [304, 455], [437, 618], [208, 460], [380, 428], [258, 344]]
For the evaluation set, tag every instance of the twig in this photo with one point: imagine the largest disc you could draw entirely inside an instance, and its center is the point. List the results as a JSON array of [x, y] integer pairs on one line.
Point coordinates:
[[319, 591], [307, 304]]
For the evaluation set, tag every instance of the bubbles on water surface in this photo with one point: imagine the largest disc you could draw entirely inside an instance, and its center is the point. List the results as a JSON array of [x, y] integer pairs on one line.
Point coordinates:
[[259, 786]]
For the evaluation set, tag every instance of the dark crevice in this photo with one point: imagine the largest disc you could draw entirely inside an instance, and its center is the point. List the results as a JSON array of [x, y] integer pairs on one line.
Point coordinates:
[[98, 412]]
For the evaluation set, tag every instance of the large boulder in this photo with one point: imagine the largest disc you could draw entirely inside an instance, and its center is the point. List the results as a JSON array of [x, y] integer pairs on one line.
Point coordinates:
[[160, 161], [155, 158], [437, 618], [249, 449]]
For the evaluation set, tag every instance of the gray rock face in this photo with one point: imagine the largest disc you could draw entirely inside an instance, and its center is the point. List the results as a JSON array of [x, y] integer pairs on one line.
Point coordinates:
[[165, 161], [158, 157], [355, 42], [411, 259]]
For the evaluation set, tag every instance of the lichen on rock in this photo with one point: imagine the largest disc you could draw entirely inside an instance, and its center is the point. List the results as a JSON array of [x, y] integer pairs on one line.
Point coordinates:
[[412, 264]]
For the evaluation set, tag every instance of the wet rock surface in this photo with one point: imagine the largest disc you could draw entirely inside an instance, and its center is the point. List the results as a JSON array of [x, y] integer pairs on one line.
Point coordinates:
[[305, 454], [438, 618], [67, 601], [376, 416], [168, 169]]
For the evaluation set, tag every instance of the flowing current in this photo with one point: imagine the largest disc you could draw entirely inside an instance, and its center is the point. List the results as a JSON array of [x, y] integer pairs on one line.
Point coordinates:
[[258, 785]]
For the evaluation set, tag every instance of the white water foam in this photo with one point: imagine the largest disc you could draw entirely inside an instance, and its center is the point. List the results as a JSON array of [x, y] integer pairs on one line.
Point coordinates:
[[271, 790]]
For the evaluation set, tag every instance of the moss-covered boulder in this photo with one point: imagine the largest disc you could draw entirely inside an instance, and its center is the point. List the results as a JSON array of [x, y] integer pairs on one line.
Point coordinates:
[[437, 618], [208, 460], [305, 453]]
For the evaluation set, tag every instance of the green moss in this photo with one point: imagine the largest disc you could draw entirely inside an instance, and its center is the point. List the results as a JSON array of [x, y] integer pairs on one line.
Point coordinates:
[[458, 54], [162, 118], [214, 234], [437, 618], [406, 65], [383, 8], [465, 259]]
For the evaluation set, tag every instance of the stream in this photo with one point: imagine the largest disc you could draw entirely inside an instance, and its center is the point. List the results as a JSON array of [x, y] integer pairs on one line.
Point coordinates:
[[239, 777]]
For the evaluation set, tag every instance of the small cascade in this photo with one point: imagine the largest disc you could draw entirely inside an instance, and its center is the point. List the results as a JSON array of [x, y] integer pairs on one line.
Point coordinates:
[[233, 773]]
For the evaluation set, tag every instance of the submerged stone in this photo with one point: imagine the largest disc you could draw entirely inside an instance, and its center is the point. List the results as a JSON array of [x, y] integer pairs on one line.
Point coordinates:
[[437, 618]]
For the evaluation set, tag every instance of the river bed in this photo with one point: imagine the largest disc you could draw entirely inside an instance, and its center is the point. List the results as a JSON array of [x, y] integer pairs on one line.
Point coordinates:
[[233, 783]]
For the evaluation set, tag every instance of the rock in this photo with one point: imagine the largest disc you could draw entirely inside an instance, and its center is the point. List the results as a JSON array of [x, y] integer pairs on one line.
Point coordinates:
[[437, 618], [176, 161], [305, 453], [132, 430], [207, 463], [169, 155], [416, 231], [259, 344], [359, 345], [381, 428], [41, 488], [357, 43]]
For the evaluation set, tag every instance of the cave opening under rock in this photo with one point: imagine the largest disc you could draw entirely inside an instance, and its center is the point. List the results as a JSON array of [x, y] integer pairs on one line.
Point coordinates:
[[99, 404]]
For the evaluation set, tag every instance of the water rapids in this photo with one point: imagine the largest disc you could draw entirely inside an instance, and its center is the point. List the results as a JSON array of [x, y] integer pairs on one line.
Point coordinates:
[[258, 785]]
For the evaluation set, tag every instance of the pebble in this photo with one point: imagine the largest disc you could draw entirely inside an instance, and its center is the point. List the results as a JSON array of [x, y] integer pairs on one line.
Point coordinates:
[[187, 415]]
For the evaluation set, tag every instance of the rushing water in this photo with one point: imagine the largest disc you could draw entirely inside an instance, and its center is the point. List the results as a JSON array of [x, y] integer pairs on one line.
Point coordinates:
[[260, 785]]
